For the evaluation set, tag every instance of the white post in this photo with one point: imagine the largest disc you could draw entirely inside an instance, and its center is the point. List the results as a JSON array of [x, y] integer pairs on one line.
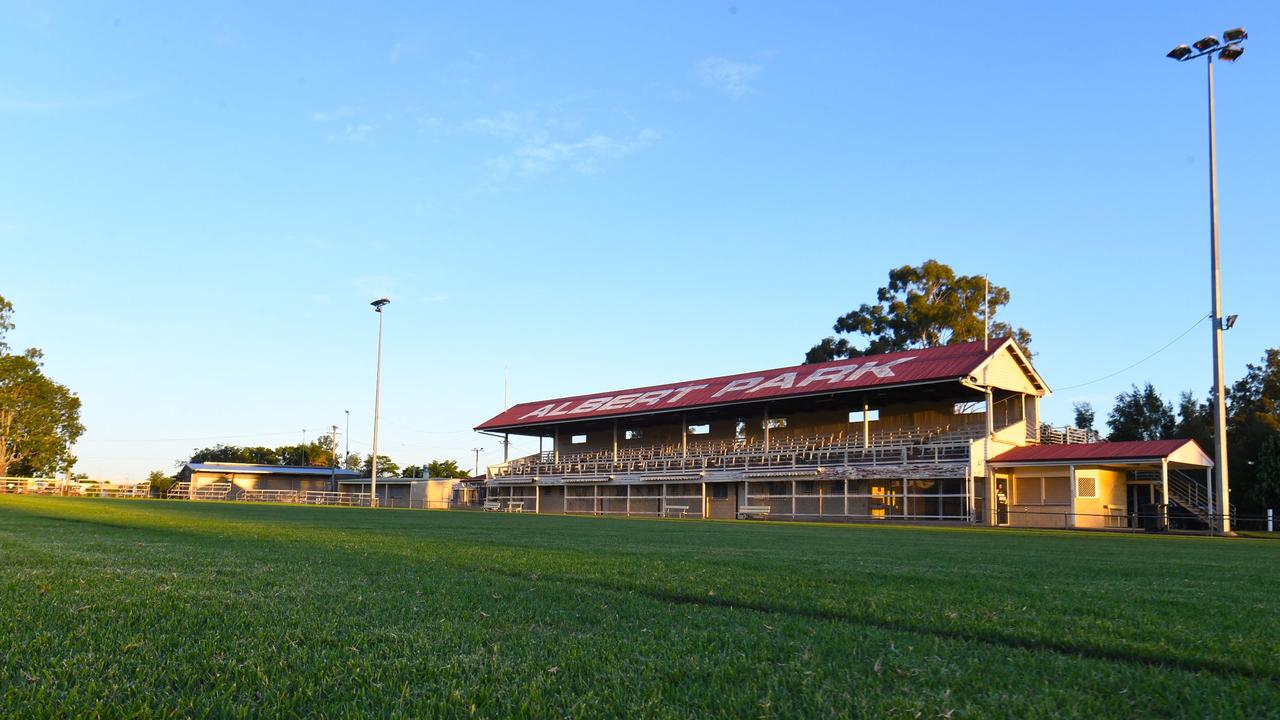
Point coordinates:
[[793, 499], [1271, 525], [684, 436], [704, 499], [615, 442], [555, 445], [766, 429], [537, 499]]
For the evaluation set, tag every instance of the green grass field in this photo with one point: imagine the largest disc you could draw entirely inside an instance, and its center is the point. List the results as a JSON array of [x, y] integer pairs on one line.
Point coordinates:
[[185, 609]]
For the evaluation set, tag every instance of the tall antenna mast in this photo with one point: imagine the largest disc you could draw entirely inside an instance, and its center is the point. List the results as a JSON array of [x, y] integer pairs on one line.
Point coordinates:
[[986, 311]]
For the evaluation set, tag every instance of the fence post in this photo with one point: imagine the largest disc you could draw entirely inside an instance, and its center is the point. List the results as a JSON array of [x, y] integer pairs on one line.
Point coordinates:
[[1271, 525]]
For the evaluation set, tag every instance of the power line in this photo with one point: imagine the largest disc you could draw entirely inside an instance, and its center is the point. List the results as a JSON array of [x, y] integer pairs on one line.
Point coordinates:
[[1130, 367]]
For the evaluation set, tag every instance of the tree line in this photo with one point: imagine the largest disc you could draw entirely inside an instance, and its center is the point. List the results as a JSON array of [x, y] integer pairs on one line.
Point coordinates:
[[1253, 427], [322, 453]]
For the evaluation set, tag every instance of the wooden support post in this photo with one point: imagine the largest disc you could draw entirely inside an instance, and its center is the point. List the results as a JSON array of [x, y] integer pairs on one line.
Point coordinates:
[[1208, 481], [537, 499], [766, 429], [684, 435], [615, 442], [1071, 471], [555, 445], [866, 424]]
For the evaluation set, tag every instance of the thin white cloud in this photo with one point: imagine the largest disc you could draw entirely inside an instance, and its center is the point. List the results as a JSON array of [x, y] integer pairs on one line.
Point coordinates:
[[726, 76], [585, 155], [342, 112], [545, 145]]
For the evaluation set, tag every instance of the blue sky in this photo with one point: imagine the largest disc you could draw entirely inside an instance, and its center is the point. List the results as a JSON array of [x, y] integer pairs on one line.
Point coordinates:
[[197, 204]]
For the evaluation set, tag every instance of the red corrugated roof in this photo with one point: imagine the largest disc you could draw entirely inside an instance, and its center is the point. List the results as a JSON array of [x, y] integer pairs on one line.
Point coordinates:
[[1093, 452], [949, 362]]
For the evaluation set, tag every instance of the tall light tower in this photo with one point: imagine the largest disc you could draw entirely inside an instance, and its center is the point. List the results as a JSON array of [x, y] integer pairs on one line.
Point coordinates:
[[377, 399], [1229, 50]]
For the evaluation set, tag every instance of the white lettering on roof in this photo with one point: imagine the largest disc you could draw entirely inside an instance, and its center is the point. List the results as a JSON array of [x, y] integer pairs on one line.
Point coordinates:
[[785, 380], [650, 398], [737, 385], [682, 391], [880, 371], [831, 374]]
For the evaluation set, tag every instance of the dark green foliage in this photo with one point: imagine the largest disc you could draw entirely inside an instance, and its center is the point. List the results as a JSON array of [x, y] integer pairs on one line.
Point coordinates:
[[922, 306], [446, 469], [39, 418], [1253, 424], [1084, 415], [187, 609], [386, 468], [160, 483], [317, 453], [1141, 415]]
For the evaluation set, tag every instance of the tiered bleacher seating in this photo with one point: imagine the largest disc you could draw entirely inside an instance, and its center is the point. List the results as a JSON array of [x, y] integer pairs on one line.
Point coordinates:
[[910, 445]]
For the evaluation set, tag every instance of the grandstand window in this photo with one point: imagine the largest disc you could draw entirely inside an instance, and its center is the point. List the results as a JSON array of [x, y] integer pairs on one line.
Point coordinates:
[[720, 491], [578, 439], [856, 416], [700, 429], [969, 408], [774, 423], [633, 434]]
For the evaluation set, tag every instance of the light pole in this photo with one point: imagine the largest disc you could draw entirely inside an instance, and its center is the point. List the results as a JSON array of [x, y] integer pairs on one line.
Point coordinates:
[[346, 441], [1230, 51], [377, 399], [477, 451]]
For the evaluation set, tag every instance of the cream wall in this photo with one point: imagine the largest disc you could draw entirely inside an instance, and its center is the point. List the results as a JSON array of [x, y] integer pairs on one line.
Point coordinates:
[[1111, 499]]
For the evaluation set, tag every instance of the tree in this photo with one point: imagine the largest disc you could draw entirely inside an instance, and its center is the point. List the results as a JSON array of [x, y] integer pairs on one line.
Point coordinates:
[[1253, 422], [446, 469], [386, 468], [1195, 421], [1141, 415], [160, 483], [39, 418], [1084, 415], [411, 471], [923, 306]]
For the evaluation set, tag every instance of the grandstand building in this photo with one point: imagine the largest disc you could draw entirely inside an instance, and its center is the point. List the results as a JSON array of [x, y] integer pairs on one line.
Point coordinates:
[[938, 434]]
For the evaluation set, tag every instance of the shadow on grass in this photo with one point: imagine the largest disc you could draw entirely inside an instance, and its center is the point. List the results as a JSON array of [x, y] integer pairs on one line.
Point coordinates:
[[218, 526]]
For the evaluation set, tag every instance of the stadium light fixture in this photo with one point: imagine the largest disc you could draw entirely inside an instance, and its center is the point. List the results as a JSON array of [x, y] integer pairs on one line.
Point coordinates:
[[1205, 43], [1206, 48], [1230, 322], [1231, 53], [377, 399]]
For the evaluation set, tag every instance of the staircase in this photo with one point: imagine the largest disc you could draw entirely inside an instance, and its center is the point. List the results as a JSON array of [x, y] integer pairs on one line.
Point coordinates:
[[1188, 491], [179, 491]]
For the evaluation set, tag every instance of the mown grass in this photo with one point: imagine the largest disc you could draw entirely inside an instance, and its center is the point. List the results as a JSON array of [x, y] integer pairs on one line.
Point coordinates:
[[181, 609]]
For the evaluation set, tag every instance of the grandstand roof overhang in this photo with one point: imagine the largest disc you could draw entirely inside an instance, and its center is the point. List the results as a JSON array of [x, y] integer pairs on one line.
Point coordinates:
[[1184, 453], [1003, 365]]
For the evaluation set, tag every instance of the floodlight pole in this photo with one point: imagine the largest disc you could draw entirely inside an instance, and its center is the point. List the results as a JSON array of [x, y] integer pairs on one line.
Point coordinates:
[[1219, 384], [1220, 516], [377, 400]]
